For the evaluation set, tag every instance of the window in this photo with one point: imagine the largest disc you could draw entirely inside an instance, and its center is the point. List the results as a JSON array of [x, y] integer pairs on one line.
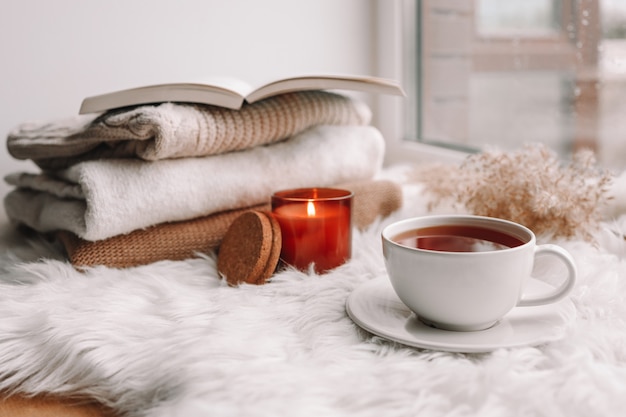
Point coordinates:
[[504, 73]]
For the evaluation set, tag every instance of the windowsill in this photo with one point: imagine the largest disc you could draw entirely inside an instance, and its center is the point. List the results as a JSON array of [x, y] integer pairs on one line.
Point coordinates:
[[408, 151]]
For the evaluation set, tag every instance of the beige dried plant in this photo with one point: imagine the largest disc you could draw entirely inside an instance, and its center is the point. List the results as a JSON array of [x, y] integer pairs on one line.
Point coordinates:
[[531, 186]]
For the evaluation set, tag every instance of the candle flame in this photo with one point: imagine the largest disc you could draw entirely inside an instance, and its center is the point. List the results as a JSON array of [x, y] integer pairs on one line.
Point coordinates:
[[310, 209]]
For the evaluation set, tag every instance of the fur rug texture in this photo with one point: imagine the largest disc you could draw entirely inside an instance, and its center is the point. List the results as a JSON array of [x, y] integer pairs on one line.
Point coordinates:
[[172, 339]]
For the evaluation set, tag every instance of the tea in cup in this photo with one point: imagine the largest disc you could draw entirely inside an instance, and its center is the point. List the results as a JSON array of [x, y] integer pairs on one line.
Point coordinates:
[[465, 272]]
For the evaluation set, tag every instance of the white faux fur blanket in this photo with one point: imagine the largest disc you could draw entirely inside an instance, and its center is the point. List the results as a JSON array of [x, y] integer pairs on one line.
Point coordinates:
[[171, 339], [104, 198]]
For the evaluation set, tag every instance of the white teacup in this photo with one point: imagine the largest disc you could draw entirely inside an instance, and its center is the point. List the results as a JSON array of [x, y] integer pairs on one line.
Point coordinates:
[[459, 284]]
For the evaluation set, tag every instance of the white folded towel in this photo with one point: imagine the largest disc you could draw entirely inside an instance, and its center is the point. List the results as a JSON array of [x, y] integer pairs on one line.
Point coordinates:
[[103, 198]]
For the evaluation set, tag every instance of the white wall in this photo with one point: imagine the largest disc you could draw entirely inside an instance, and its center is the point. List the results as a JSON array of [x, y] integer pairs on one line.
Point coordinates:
[[54, 53]]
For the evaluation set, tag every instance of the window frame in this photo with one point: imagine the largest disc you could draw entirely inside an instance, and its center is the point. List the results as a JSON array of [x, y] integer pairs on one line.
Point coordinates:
[[397, 117], [391, 113]]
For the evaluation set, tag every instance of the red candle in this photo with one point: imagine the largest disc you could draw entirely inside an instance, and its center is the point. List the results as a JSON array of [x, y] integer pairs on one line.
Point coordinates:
[[316, 227]]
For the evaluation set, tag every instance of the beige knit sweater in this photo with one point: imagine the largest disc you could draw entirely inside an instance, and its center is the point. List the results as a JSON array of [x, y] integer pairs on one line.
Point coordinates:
[[171, 130]]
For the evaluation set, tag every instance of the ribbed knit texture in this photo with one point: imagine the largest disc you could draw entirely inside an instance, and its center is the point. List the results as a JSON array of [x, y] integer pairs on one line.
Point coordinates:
[[171, 130]]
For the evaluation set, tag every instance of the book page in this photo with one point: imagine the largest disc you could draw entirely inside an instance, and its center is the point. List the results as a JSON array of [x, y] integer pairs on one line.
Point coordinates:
[[326, 82]]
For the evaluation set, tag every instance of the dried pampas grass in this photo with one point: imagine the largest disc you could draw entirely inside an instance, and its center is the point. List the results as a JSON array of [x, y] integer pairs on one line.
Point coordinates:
[[531, 186]]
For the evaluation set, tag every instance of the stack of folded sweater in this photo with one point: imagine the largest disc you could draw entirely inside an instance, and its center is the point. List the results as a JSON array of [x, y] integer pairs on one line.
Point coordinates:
[[163, 181]]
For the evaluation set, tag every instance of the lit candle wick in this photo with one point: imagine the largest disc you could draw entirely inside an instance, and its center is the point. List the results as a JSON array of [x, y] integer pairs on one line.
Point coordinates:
[[310, 209]]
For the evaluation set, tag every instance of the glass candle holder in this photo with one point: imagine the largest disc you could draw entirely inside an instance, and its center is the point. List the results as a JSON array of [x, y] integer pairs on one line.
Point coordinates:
[[316, 227]]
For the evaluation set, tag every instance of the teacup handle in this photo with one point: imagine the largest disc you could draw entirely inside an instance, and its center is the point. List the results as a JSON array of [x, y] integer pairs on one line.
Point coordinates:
[[558, 292]]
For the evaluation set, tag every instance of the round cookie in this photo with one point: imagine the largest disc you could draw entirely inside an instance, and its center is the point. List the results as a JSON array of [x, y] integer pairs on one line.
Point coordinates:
[[250, 249]]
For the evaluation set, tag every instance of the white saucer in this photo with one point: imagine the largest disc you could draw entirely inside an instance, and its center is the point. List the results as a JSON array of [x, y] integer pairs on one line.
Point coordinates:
[[375, 307]]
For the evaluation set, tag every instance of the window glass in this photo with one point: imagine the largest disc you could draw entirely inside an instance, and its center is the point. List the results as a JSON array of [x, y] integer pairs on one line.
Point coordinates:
[[526, 18], [506, 73]]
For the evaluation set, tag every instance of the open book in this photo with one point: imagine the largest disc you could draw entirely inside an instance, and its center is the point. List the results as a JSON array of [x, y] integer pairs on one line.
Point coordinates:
[[232, 93]]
